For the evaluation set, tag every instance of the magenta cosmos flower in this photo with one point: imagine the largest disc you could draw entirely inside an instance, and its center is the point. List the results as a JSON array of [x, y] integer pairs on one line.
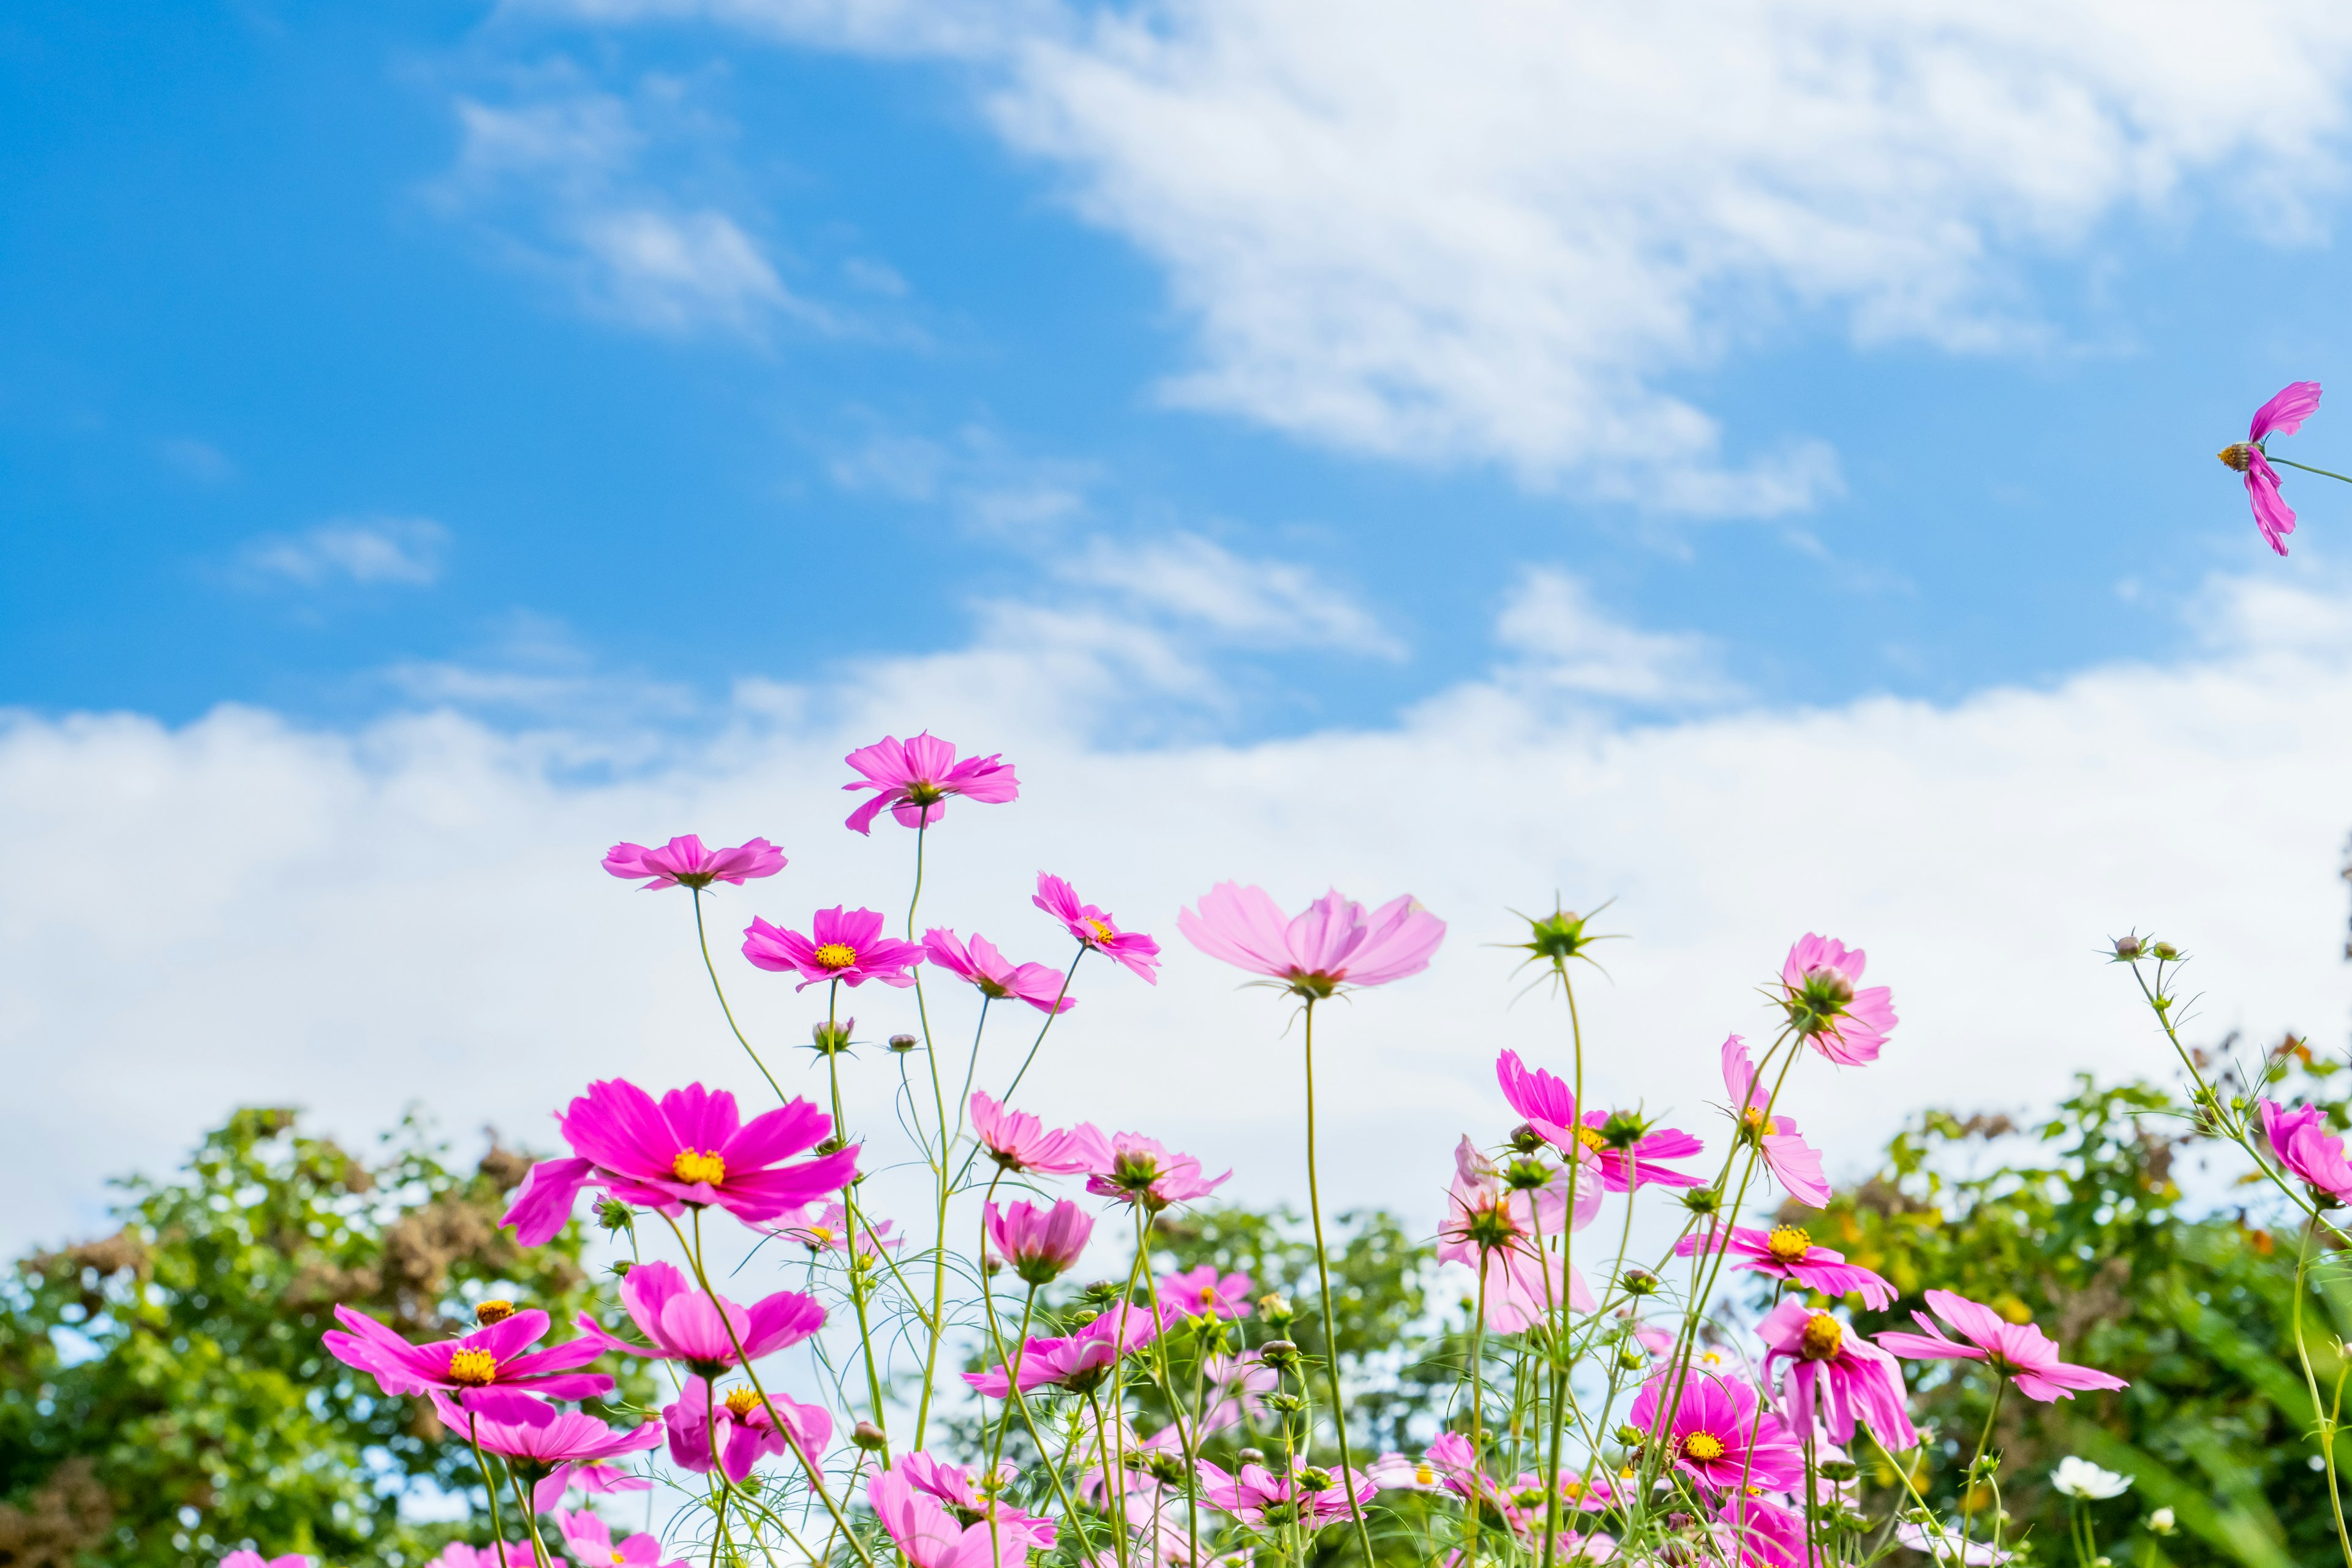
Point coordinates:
[[1332, 943], [746, 1429], [1259, 1497], [1766, 1534], [497, 1355], [1638, 1158], [457, 1554], [1505, 1236], [971, 1499], [685, 1325], [914, 779], [1204, 1292], [2283, 416], [1717, 1436], [1835, 1371], [2018, 1352], [830, 1231], [847, 945], [979, 963], [1078, 1362], [1791, 1161], [1819, 984], [506, 1422], [2310, 1153], [256, 1560], [1094, 928], [692, 1149], [1449, 1464], [1787, 1252], [1019, 1142], [1040, 1245], [589, 1542], [1145, 1171], [594, 1478], [683, 862], [930, 1536]]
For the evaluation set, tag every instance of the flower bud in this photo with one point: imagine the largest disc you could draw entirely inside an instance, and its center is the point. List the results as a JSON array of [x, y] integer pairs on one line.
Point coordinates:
[[2128, 948], [829, 1039], [494, 1310], [1638, 1282], [1630, 1357], [2164, 951], [1623, 1130], [1102, 1295], [1839, 1469], [1276, 1310], [1257, 1456], [1285, 1404], [870, 1437], [621, 1268], [903, 1043], [613, 1214], [2160, 1522], [1315, 1479], [1631, 1435], [1703, 1200], [830, 1146], [1278, 1354], [1526, 1175], [1526, 1139]]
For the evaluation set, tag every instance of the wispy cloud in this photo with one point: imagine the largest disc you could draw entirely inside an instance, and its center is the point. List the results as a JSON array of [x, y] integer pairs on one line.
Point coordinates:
[[404, 551], [1251, 602], [199, 461]]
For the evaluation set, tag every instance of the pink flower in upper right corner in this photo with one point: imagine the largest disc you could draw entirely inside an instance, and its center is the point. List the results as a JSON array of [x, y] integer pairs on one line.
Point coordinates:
[[1794, 1163], [979, 962], [683, 862], [2283, 416], [2303, 1143], [915, 777], [843, 945], [1094, 928], [1820, 985], [1332, 942], [2020, 1351]]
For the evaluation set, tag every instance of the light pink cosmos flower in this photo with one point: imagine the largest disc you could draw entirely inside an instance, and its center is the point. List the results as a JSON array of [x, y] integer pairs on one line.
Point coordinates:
[[1308, 1497], [1717, 1436], [830, 1231], [457, 1554], [746, 1431], [1019, 1142], [1202, 1292], [1494, 1231], [1038, 1245], [2283, 416], [973, 1498], [1793, 1161], [2018, 1352], [684, 1325], [1820, 982], [847, 945], [1145, 1171], [1836, 1372], [915, 777], [589, 1542], [2307, 1149], [1332, 943], [1449, 1464], [1550, 1106], [506, 1422], [243, 1558], [595, 1477], [1525, 1505], [683, 862], [979, 963], [1094, 928], [497, 1354], [692, 1150], [1766, 1534], [1787, 1252], [931, 1537], [1078, 1362]]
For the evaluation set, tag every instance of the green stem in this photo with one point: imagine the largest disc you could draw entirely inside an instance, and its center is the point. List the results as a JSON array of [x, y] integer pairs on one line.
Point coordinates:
[[703, 942], [1323, 1285], [489, 1486], [2319, 1413], [2307, 468], [1969, 1478]]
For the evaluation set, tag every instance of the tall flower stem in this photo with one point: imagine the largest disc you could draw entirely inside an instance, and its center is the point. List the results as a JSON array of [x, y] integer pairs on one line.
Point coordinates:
[[1477, 1421], [489, 1484], [529, 1520], [2307, 468], [944, 1183], [848, 1203], [2321, 1416], [1969, 1478], [1558, 1378], [1323, 1287], [703, 942]]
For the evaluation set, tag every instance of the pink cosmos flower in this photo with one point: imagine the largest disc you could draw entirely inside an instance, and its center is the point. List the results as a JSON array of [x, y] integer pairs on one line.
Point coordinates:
[[1039, 1245], [2283, 416], [1818, 983], [1332, 943], [1525, 1505], [1550, 1106], [979, 963], [516, 1425], [255, 1560], [1787, 1252], [931, 1537], [1719, 1436], [1791, 1161], [683, 862], [973, 1498], [746, 1431], [692, 1149], [457, 1554], [830, 1231], [2303, 1145], [684, 1325], [1019, 1142], [496, 1355], [1078, 1362], [1494, 1232], [1094, 927], [1449, 1464], [1766, 1534], [1946, 1546], [1307, 1496], [596, 1479], [1835, 1370], [2018, 1352], [847, 945], [589, 1542], [1202, 1292], [915, 777], [1144, 1171]]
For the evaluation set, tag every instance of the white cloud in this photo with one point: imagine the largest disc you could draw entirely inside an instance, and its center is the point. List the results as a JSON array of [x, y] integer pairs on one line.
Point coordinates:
[[241, 910], [1255, 603], [401, 550], [1567, 645]]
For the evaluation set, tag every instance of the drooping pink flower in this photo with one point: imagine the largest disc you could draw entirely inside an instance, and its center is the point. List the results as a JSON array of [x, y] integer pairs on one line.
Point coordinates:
[[596, 1478], [1202, 1292], [1835, 1371], [1505, 1236], [744, 1427], [508, 1421], [1145, 1171], [683, 862], [1787, 1252], [974, 1498], [1307, 1496], [2303, 1143], [2018, 1352], [1793, 1161], [692, 1149], [1094, 928], [1717, 1436], [931, 1537], [1333, 942], [1636, 1159], [244, 1559], [1039, 1245], [831, 1232], [979, 963], [2283, 416], [497, 1354], [1819, 984], [1019, 1142], [843, 945], [915, 777], [590, 1541], [1078, 1362], [684, 1324]]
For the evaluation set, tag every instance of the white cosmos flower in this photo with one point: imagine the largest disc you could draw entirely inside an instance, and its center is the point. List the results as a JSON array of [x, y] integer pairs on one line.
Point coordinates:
[[2080, 1477]]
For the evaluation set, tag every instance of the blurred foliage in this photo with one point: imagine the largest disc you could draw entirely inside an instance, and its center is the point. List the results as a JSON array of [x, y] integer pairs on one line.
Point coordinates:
[[163, 1394]]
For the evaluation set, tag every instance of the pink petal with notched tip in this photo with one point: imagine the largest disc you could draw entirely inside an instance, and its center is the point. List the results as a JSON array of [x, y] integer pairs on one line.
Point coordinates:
[[2288, 409]]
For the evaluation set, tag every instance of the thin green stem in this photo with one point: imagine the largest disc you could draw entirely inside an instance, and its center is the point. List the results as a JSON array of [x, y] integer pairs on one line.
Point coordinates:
[[2320, 1414], [1969, 1478], [719, 990], [1323, 1286], [489, 1484], [2307, 468]]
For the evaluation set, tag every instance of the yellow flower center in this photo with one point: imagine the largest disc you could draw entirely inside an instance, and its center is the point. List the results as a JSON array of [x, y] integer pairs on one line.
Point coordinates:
[[1789, 1243], [617, 1557], [698, 1165], [741, 1402], [1703, 1446], [1823, 1334], [1590, 1139], [1573, 1490], [1752, 1119], [1102, 931], [1423, 1475], [835, 955], [475, 1369], [2235, 456], [821, 1235], [1208, 1295], [494, 1310], [1710, 1359], [2013, 1310]]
